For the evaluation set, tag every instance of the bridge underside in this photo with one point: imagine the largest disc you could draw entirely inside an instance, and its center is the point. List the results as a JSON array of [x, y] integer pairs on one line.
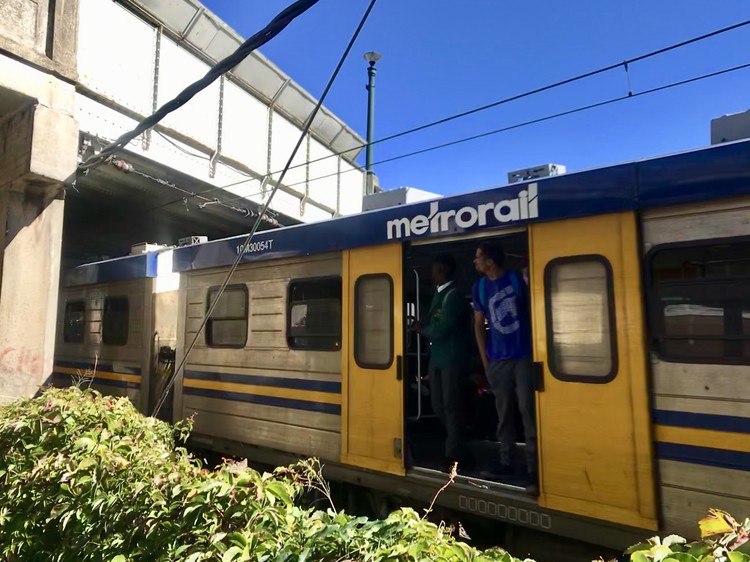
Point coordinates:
[[109, 210]]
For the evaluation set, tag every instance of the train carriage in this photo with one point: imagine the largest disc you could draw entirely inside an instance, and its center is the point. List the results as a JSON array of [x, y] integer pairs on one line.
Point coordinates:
[[117, 324], [251, 380], [639, 277]]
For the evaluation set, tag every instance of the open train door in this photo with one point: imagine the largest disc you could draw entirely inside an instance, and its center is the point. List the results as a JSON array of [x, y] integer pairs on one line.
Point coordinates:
[[372, 410], [594, 432]]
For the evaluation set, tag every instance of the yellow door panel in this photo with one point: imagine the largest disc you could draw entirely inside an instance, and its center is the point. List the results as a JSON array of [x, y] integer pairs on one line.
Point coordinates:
[[372, 413], [594, 433]]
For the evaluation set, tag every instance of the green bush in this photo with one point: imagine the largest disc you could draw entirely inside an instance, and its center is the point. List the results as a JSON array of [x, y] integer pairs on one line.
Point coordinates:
[[87, 478], [724, 540]]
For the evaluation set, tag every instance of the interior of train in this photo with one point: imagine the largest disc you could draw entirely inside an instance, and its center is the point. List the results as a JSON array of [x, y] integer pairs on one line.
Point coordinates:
[[425, 435]]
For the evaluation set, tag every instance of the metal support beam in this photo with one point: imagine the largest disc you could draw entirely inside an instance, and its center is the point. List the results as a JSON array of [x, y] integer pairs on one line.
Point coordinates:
[[338, 186], [307, 176], [146, 142], [220, 127]]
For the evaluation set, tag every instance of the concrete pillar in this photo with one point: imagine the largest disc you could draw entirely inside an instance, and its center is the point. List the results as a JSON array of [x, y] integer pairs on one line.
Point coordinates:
[[38, 148]]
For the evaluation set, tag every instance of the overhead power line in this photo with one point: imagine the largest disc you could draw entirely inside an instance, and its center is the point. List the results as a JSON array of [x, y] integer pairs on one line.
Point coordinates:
[[629, 95], [278, 24], [614, 66], [623, 64], [610, 101], [249, 237]]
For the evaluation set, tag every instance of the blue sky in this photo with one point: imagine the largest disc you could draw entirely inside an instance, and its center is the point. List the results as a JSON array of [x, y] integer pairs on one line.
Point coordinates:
[[442, 57]]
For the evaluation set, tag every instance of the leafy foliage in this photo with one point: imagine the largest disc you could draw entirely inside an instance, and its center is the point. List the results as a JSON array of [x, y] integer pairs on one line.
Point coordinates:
[[87, 478], [724, 540]]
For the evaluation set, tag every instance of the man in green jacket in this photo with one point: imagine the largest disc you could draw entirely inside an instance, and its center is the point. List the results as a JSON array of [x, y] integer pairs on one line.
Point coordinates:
[[449, 330]]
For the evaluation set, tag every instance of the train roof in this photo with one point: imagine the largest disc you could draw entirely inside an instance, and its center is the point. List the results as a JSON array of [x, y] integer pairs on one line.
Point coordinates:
[[127, 268], [718, 171]]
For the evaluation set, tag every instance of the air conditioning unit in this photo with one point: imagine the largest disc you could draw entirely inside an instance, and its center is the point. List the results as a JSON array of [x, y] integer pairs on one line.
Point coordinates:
[[728, 128], [191, 240], [395, 197], [535, 172]]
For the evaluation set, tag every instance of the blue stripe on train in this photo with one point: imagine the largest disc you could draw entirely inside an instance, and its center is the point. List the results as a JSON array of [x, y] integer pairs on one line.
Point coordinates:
[[321, 407], [67, 379], [721, 458], [298, 384], [702, 421], [108, 367]]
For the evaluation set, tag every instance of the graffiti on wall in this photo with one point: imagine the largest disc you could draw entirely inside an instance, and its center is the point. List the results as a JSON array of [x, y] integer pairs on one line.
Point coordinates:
[[19, 361]]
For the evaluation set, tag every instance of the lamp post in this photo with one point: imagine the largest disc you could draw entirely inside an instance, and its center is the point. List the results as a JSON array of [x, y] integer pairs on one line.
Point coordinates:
[[372, 57]]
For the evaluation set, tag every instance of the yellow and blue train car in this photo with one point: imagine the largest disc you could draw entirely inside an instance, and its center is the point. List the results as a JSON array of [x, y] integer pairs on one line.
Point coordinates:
[[117, 327], [639, 277]]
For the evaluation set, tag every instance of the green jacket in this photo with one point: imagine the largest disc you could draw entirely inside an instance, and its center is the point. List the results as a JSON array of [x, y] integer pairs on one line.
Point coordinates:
[[449, 329]]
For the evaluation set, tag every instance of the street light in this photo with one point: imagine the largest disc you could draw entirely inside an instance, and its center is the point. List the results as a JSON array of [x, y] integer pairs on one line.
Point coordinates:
[[372, 57]]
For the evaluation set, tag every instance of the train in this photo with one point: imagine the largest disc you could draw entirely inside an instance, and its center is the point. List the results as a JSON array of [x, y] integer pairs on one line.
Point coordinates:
[[639, 276]]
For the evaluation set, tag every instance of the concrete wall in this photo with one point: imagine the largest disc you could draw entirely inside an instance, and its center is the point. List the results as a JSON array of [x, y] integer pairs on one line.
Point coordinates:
[[48, 40], [38, 148]]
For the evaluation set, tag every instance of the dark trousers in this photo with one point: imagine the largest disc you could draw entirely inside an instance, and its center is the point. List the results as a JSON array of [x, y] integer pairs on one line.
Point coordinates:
[[511, 384], [447, 386]]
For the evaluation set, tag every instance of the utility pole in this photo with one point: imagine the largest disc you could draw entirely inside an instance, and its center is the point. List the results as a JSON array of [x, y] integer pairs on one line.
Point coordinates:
[[372, 57]]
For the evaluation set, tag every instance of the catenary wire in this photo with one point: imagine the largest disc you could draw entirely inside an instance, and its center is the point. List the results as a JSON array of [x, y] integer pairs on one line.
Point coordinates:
[[248, 239], [532, 122], [624, 64], [269, 214]]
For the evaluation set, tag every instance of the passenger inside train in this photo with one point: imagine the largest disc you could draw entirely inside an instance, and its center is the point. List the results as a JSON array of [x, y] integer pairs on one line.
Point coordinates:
[[470, 393]]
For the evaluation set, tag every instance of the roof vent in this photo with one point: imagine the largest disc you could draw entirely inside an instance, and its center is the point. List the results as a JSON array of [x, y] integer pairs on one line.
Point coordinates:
[[536, 172]]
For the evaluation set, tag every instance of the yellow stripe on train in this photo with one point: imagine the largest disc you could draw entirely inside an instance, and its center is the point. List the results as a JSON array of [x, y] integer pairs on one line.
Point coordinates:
[[122, 377], [704, 438]]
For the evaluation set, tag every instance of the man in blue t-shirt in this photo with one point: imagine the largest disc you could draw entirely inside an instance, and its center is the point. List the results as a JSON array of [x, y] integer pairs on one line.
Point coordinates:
[[501, 297]]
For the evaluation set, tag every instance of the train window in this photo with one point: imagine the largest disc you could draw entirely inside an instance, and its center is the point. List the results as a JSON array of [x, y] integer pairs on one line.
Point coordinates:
[[115, 321], [700, 302], [581, 333], [314, 314], [227, 326], [74, 322], [373, 321]]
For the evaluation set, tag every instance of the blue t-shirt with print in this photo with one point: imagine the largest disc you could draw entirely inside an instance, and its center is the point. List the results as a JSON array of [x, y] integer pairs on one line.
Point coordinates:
[[507, 313]]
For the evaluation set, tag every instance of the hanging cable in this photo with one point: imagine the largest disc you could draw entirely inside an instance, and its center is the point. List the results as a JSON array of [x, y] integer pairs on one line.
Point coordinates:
[[278, 24], [182, 149], [249, 237], [623, 64]]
